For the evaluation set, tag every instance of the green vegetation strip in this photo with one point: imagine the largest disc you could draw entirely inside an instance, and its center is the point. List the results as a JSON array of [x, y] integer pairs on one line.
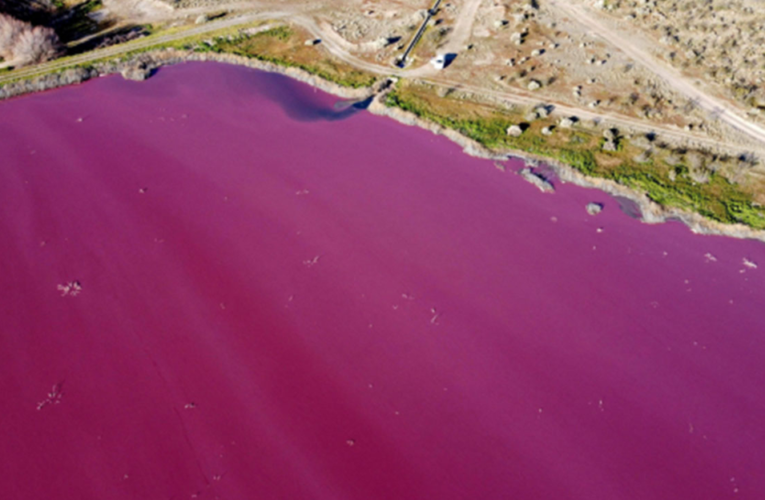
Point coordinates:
[[718, 199]]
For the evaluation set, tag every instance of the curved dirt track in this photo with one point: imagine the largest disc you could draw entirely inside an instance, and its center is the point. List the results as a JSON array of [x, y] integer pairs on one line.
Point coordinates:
[[724, 111], [459, 37]]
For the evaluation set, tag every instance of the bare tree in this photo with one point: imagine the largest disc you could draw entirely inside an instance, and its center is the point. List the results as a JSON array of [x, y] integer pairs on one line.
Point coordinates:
[[10, 29], [36, 45], [21, 43]]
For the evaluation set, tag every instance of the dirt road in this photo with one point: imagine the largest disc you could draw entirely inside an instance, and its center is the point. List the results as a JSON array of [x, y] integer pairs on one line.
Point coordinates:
[[610, 119], [460, 36], [427, 74], [142, 43], [723, 111], [463, 28]]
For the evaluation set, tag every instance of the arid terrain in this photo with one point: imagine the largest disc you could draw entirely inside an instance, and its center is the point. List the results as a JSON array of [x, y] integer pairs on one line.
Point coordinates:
[[667, 88]]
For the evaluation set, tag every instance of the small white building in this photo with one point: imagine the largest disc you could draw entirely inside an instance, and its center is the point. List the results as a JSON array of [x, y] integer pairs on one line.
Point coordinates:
[[439, 62]]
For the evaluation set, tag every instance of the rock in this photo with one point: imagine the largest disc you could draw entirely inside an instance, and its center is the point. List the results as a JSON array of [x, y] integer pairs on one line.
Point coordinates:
[[547, 130], [672, 160], [542, 111], [610, 134], [700, 175], [640, 141], [609, 146], [539, 181], [137, 72], [534, 85], [594, 208], [566, 122], [314, 41], [202, 19], [514, 131], [644, 157]]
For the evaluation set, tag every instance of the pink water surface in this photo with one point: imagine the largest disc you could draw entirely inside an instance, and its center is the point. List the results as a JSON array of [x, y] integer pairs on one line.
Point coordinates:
[[279, 304]]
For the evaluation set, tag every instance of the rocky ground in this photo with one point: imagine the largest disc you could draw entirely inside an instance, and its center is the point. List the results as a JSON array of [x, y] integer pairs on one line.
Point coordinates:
[[517, 47], [530, 46], [718, 40]]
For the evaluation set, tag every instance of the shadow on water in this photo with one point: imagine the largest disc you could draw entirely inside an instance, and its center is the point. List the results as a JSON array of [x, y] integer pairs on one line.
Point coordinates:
[[629, 207], [302, 103]]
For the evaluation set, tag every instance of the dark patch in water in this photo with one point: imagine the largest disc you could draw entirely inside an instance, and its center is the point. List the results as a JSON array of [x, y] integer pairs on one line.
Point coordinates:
[[547, 172], [358, 104], [301, 103], [629, 207]]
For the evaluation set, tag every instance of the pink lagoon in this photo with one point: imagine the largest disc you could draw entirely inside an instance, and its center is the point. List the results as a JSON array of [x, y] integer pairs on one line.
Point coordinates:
[[217, 285]]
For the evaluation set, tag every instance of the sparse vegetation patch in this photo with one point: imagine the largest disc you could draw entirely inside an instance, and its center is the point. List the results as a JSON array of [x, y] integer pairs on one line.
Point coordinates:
[[716, 198], [282, 46]]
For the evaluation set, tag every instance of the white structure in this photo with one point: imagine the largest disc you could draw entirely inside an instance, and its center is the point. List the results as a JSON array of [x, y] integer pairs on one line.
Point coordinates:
[[438, 62]]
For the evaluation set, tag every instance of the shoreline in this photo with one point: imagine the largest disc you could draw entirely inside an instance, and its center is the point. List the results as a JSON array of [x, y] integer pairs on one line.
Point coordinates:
[[212, 263], [142, 65], [651, 212]]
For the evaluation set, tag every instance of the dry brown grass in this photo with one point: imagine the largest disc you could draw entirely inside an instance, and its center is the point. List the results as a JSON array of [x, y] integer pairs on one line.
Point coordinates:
[[286, 46]]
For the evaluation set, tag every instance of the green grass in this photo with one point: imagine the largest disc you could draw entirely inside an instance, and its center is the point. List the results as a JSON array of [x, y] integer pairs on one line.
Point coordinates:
[[718, 199]]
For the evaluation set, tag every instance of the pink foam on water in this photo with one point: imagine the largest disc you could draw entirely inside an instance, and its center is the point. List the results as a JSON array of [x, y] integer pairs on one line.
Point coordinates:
[[296, 308]]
